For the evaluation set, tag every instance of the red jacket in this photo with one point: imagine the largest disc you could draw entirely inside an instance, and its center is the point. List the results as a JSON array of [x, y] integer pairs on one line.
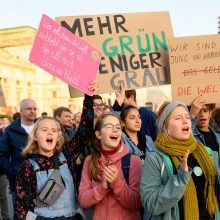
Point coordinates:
[[123, 200]]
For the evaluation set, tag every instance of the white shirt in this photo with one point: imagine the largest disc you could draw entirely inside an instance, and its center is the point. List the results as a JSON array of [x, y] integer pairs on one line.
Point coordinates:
[[28, 128]]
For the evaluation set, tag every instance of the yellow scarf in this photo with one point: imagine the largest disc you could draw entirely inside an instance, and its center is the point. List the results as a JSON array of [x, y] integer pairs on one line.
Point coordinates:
[[176, 149]]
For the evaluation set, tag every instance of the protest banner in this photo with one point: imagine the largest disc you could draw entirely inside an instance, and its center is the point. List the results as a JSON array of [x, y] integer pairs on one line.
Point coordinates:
[[195, 68], [133, 46], [64, 55]]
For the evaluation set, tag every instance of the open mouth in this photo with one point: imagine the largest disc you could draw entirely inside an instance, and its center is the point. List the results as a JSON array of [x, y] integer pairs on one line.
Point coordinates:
[[186, 129], [114, 137], [202, 120], [49, 140]]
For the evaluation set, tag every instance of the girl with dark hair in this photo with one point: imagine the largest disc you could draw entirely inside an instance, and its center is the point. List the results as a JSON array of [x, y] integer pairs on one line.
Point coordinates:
[[216, 120], [137, 142], [201, 117], [103, 184]]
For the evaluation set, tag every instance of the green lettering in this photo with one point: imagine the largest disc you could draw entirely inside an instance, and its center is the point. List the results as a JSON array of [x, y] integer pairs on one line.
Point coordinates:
[[124, 45], [140, 47], [157, 41], [113, 49]]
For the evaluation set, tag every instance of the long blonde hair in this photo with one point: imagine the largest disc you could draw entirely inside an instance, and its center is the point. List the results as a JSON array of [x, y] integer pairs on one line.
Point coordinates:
[[32, 145]]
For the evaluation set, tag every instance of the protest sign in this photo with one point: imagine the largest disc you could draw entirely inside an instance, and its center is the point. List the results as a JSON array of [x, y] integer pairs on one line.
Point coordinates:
[[133, 45], [195, 68], [64, 55]]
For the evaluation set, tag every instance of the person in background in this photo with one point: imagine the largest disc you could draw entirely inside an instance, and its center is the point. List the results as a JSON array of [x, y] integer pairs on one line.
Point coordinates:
[[137, 142], [76, 119], [3, 197], [64, 116], [103, 185], [107, 109], [44, 114], [148, 117], [16, 115], [1, 122], [3, 188], [180, 178], [216, 120], [98, 107], [1, 126], [201, 114], [5, 121], [14, 140]]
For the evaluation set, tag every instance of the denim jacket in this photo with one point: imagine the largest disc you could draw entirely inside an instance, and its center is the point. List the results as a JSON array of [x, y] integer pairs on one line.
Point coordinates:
[[199, 136], [65, 205], [132, 147]]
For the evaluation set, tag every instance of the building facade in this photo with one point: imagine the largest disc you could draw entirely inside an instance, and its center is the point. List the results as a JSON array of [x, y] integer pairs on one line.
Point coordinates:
[[21, 79]]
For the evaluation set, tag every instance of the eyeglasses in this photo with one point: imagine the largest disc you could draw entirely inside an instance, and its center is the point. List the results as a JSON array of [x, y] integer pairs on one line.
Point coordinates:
[[95, 105], [110, 126]]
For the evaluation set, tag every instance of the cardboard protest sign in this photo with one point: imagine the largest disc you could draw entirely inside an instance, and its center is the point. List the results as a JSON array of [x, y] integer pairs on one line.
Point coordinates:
[[195, 68], [133, 45], [2, 98], [64, 55]]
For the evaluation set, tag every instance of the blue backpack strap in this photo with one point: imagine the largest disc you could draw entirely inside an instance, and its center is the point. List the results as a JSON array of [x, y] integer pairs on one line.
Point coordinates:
[[62, 157], [35, 165], [125, 166]]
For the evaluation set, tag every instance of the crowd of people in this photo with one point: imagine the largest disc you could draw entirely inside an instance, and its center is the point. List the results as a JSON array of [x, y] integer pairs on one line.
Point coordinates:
[[112, 162]]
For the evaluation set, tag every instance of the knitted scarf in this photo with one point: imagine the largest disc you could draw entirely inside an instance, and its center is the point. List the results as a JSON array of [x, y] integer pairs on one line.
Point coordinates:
[[176, 149]]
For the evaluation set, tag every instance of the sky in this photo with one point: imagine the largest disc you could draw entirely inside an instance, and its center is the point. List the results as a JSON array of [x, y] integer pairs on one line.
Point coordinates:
[[188, 17]]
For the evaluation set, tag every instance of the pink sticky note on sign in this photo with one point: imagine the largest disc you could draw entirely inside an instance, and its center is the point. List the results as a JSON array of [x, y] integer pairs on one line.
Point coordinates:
[[64, 55]]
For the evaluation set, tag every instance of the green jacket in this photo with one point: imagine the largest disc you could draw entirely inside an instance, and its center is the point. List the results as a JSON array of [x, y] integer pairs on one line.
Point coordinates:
[[161, 190]]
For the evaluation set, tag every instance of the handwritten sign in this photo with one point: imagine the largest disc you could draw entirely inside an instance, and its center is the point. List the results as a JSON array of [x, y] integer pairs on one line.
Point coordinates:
[[64, 55], [195, 68], [134, 47]]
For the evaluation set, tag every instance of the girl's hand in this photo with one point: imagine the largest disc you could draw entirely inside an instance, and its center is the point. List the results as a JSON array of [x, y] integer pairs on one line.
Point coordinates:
[[120, 95], [93, 86], [111, 174], [78, 161], [196, 106], [105, 184], [184, 164]]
